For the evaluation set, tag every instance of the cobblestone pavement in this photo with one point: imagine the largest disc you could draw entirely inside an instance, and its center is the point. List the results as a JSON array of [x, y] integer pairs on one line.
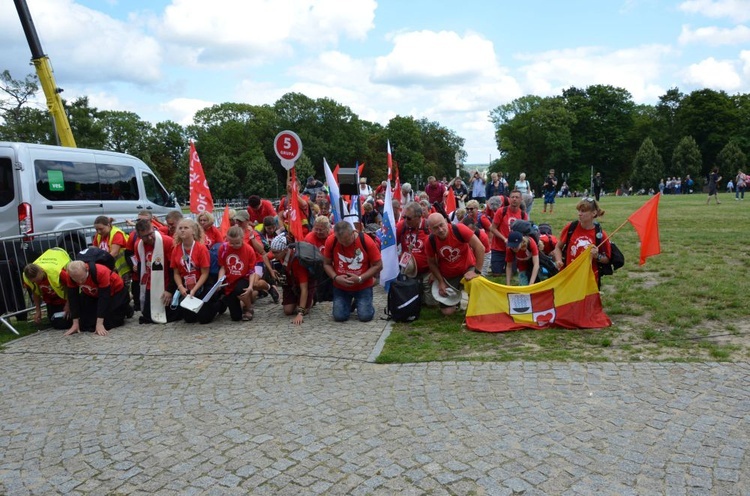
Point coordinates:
[[266, 408]]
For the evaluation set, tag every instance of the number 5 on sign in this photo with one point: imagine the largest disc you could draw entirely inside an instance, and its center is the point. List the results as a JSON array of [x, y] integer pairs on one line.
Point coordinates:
[[288, 148]]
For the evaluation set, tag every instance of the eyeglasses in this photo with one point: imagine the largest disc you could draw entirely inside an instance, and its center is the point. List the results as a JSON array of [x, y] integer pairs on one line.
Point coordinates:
[[406, 217]]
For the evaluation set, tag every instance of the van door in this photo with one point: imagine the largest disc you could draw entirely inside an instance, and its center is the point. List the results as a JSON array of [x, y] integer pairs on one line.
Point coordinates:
[[119, 187], [158, 201], [8, 204], [67, 188]]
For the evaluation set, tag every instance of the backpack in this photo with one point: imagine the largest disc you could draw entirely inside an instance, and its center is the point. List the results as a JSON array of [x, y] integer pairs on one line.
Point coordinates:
[[310, 258], [544, 228], [404, 299], [526, 228], [215, 253], [616, 261], [92, 256], [547, 267]]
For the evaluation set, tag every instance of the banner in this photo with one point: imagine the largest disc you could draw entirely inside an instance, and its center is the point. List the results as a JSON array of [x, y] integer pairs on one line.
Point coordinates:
[[335, 197], [387, 233], [450, 202], [200, 195], [569, 300], [645, 220]]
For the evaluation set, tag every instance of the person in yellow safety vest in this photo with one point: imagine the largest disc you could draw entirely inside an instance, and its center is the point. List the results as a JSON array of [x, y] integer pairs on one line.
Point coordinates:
[[42, 277], [114, 240]]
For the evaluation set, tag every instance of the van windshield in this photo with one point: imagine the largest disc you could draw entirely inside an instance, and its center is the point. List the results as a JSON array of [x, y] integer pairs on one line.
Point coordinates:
[[155, 192]]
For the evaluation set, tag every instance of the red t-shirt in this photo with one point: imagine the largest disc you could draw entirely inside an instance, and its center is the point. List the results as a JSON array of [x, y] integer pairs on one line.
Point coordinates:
[[482, 235], [212, 235], [453, 255], [580, 238], [48, 293], [414, 241], [103, 242], [190, 262], [503, 222], [523, 258], [148, 251], [264, 210], [354, 259], [105, 278], [237, 263], [297, 272], [319, 243]]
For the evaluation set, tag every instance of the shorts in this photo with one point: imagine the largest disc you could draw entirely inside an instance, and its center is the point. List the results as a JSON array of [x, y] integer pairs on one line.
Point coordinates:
[[549, 197]]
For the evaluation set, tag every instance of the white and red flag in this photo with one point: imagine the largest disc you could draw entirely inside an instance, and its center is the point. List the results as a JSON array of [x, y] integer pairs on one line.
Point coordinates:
[[200, 195]]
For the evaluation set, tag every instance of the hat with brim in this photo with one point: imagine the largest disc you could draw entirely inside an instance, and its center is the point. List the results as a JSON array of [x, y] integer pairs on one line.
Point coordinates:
[[453, 296], [411, 269]]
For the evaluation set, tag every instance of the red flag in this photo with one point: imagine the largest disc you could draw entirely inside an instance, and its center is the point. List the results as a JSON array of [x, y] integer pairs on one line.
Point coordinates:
[[295, 212], [336, 173], [645, 220], [361, 169], [450, 201], [225, 225], [200, 195]]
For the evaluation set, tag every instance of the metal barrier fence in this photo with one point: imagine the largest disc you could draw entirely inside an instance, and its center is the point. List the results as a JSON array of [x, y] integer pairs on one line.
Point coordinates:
[[18, 251]]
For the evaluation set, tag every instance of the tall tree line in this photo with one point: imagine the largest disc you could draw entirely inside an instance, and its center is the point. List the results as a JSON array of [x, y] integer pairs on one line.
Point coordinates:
[[632, 145], [235, 140]]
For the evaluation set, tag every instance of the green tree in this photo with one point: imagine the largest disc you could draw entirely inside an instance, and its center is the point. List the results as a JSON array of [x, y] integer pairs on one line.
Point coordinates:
[[533, 135], [258, 172], [87, 125], [711, 118], [167, 146], [686, 159], [405, 136], [731, 158], [648, 167]]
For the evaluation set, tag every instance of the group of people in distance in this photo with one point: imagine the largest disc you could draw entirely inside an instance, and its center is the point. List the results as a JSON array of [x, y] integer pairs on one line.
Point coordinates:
[[159, 264]]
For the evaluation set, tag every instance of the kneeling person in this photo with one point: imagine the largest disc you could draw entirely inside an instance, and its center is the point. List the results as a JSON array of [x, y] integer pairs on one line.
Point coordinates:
[[352, 261], [43, 279], [524, 250], [297, 292], [237, 264], [97, 297]]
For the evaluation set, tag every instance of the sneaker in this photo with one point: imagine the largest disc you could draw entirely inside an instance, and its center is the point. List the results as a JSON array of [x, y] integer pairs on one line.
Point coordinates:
[[144, 320], [274, 294], [129, 312]]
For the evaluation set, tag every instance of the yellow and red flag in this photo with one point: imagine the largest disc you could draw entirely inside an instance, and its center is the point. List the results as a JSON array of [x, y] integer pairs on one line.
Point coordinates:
[[645, 220], [200, 195], [569, 300]]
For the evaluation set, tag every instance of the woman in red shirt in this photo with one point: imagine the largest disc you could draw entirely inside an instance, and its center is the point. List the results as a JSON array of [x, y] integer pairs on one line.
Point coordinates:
[[191, 262]]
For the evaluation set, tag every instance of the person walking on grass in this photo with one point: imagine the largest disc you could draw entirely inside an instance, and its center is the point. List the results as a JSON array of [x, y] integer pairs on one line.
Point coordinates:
[[713, 186]]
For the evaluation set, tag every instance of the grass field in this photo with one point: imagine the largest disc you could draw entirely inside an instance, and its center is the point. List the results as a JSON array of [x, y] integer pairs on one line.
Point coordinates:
[[689, 303]]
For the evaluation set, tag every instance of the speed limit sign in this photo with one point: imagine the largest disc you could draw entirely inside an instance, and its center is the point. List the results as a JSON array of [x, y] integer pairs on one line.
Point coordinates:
[[288, 148]]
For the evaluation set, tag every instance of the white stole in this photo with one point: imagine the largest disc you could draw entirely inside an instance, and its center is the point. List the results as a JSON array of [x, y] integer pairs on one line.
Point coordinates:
[[157, 254]]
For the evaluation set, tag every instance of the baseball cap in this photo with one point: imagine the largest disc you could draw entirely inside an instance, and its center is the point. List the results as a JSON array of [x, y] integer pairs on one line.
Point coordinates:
[[514, 240]]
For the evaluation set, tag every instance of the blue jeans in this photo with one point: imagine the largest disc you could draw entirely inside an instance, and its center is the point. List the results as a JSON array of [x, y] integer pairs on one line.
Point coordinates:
[[740, 192], [342, 304], [497, 262]]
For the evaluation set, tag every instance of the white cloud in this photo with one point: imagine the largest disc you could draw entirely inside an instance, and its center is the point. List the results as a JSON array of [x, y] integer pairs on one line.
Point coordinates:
[[735, 10], [745, 58], [714, 74], [429, 58], [229, 32], [85, 45], [634, 69], [182, 110], [715, 36]]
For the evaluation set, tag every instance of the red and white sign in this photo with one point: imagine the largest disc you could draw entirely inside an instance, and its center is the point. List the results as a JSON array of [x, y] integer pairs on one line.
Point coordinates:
[[288, 148]]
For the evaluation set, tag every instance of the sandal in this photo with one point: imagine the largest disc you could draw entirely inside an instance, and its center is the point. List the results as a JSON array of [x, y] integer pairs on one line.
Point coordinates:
[[248, 316]]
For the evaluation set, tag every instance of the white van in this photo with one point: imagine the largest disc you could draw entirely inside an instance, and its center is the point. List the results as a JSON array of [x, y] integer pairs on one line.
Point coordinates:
[[51, 188]]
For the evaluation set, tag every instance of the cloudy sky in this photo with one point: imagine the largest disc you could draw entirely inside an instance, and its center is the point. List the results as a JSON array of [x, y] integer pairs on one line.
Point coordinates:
[[447, 61]]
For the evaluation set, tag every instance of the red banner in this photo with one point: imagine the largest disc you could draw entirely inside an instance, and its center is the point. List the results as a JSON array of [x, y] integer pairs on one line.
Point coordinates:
[[200, 195], [225, 223], [295, 212], [645, 220]]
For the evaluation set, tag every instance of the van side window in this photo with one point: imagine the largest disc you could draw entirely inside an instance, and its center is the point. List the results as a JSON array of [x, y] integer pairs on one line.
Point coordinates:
[[155, 192], [6, 181], [118, 182], [59, 180]]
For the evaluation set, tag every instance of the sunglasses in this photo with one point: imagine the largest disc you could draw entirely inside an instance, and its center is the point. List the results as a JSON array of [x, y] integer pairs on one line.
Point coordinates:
[[589, 199]]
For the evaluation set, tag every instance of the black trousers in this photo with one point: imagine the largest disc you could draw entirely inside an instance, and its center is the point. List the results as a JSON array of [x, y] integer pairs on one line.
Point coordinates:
[[115, 316]]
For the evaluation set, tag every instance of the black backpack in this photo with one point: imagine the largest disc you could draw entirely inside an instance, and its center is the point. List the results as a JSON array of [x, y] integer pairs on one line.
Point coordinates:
[[310, 258], [526, 228], [92, 256], [404, 299], [617, 259], [547, 267]]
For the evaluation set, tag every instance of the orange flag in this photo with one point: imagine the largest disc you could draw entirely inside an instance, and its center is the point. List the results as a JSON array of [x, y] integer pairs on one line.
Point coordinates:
[[225, 225], [645, 220], [336, 173], [200, 195], [450, 202], [295, 212], [396, 183]]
